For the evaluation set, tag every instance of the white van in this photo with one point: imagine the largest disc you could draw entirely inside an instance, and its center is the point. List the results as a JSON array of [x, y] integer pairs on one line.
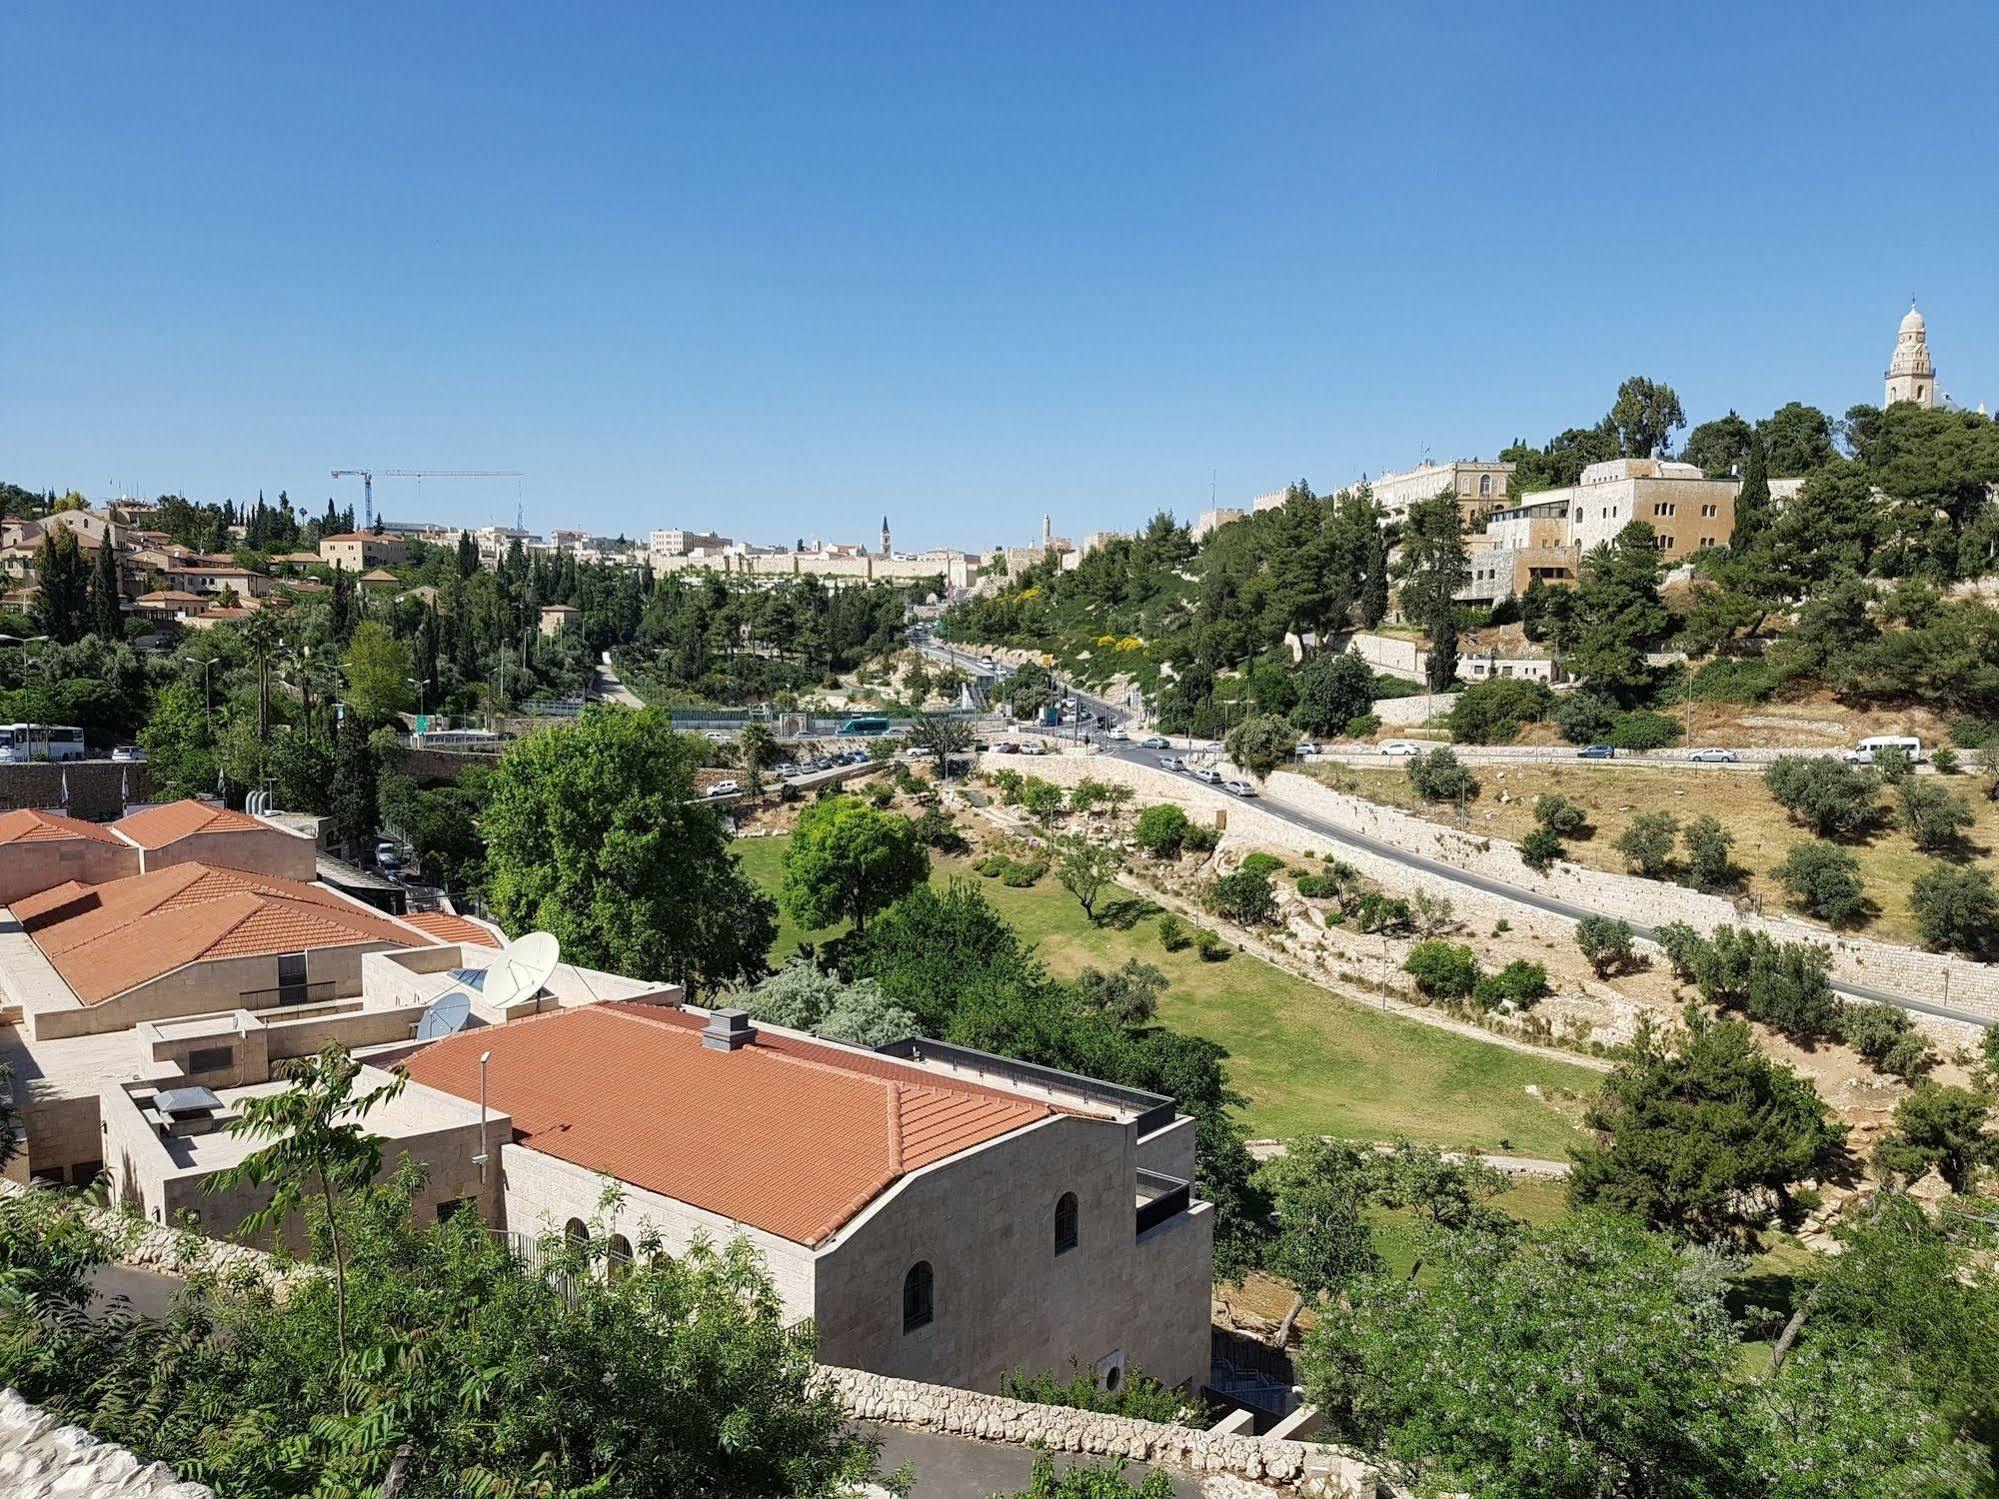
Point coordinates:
[[1863, 753]]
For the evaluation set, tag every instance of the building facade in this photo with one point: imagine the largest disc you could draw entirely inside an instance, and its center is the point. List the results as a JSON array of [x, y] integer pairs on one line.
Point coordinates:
[[1481, 488]]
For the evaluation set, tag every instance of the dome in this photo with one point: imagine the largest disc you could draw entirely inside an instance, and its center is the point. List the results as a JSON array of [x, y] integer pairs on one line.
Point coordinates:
[[1912, 321]]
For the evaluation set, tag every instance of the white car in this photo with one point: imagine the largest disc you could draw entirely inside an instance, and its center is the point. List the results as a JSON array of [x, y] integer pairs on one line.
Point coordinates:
[[716, 736], [129, 754], [1117, 732], [1172, 762], [1714, 757], [1399, 747], [722, 788], [1031, 748], [920, 752], [1209, 774], [1307, 748], [1239, 788]]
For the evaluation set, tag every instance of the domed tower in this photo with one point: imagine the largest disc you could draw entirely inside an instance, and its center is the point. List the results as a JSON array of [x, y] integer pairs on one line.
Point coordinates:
[[1911, 376]]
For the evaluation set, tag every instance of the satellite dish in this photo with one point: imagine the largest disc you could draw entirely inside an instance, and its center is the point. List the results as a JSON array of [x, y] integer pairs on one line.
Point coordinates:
[[445, 1017], [523, 969]]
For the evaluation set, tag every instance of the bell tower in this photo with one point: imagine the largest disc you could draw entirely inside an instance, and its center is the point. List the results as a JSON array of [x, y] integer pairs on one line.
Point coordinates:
[[1911, 376], [884, 535]]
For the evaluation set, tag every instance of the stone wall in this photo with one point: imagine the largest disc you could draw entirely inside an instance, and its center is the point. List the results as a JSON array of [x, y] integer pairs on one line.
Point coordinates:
[[1406, 712], [94, 787], [166, 1250], [41, 1456], [1313, 1469], [1933, 977]]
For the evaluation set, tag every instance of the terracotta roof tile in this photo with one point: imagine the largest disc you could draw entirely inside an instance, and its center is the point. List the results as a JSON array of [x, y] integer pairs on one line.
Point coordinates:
[[449, 928], [784, 1135], [105, 939], [26, 825], [156, 827]]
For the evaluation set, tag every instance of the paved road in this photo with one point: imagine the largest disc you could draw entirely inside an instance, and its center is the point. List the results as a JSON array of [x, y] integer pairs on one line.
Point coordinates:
[[604, 684], [1319, 827], [949, 1467]]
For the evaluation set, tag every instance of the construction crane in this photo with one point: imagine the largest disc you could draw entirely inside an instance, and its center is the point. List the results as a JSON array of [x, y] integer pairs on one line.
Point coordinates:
[[367, 478]]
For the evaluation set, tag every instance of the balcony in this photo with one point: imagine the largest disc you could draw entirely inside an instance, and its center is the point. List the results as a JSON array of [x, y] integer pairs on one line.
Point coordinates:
[[1160, 1197]]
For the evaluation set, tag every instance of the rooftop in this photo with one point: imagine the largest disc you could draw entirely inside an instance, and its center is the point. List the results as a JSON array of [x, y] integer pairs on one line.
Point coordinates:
[[156, 827], [105, 939], [26, 825], [449, 928], [785, 1134]]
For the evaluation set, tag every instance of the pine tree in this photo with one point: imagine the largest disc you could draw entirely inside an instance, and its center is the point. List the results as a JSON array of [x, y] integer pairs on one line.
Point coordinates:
[[354, 783], [61, 609], [1752, 502]]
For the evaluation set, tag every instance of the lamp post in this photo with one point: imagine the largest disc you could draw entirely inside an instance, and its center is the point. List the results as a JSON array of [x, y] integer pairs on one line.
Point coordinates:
[[419, 683]]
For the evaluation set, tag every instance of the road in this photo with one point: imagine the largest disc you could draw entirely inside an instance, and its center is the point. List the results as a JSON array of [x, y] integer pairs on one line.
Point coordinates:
[[605, 684], [1276, 806]]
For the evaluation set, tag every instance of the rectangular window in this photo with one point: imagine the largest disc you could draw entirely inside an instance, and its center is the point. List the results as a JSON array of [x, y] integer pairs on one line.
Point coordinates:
[[291, 978], [211, 1059]]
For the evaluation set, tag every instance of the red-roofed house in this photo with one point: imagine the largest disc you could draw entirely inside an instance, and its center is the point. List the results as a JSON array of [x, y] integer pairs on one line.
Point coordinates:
[[41, 849], [185, 831], [943, 1217]]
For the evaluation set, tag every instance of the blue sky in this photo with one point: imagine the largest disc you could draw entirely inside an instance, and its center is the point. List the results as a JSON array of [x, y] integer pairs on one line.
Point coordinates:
[[776, 269]]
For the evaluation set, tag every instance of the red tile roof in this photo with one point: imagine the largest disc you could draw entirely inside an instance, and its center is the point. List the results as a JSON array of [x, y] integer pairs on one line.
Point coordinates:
[[105, 939], [156, 827], [449, 928], [26, 825], [786, 1135]]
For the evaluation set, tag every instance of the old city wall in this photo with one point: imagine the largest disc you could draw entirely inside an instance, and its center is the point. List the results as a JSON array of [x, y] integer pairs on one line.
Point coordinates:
[[1932, 977]]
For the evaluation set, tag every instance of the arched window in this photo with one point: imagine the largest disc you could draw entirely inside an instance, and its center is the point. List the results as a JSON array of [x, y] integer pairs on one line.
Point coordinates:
[[1484, 484], [575, 1233], [621, 1257], [1065, 1223], [918, 1293]]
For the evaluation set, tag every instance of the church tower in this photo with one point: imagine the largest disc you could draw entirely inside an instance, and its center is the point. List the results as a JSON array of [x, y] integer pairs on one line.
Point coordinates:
[[884, 535], [1911, 376]]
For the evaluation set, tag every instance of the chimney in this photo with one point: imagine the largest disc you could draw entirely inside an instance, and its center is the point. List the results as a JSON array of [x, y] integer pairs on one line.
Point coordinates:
[[728, 1030]]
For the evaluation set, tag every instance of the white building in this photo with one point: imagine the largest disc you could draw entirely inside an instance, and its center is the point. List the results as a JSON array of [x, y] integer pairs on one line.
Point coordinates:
[[1480, 487], [1911, 375]]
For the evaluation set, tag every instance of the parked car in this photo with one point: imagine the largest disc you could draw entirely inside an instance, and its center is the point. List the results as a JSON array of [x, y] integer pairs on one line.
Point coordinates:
[[385, 854], [722, 788], [1714, 757], [1399, 747], [1006, 747], [1597, 752], [1155, 742], [716, 736], [1208, 773], [129, 754], [1031, 748], [1305, 748], [1172, 762], [1239, 788], [920, 752]]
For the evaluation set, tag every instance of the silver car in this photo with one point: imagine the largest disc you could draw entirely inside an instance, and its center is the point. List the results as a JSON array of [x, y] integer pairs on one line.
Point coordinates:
[[1714, 757]]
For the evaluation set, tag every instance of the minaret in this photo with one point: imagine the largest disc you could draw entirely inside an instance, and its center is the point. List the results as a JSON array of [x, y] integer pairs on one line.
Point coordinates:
[[1911, 376], [884, 535], [1047, 533]]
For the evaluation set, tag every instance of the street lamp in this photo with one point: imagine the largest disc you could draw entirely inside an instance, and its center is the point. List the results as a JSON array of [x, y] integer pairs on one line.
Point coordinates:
[[419, 683]]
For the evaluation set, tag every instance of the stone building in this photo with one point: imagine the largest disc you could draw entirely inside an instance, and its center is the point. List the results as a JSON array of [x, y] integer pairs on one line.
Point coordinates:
[[1911, 375], [1479, 485], [357, 551]]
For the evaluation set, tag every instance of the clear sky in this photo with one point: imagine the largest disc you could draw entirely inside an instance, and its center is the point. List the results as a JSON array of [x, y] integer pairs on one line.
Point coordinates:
[[777, 269]]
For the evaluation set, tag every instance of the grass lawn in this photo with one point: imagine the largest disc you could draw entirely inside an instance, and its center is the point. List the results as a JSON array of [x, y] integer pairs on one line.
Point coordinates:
[[1764, 834], [1310, 1061]]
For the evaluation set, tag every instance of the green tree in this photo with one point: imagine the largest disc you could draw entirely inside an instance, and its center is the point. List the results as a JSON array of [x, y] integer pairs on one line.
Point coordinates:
[[1720, 447], [355, 796], [1956, 909], [1540, 849], [1618, 615], [1433, 567], [846, 859], [1688, 1134], [377, 668], [1752, 501], [1710, 867], [1935, 818], [1438, 775], [1333, 690], [61, 607], [1780, 984], [1086, 870], [1824, 881], [1647, 844], [107, 619], [1646, 414], [180, 748], [1606, 942], [1559, 815], [1942, 1127], [595, 832], [1444, 970], [1128, 994], [1080, 1481], [319, 1152], [945, 736], [1244, 897], [1321, 1190], [1161, 830], [1261, 743], [1833, 799], [801, 997]]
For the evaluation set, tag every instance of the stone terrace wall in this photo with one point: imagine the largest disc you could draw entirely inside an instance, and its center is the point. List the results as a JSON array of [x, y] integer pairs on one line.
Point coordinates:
[[163, 1249], [41, 1456], [93, 786], [1312, 1469], [1934, 977]]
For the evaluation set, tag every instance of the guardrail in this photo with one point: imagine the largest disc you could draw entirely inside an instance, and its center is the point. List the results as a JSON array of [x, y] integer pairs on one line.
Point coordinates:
[[1170, 1197], [1155, 1110]]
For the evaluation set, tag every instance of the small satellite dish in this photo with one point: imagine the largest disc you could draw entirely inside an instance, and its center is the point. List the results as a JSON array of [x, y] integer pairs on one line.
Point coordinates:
[[445, 1017], [522, 970]]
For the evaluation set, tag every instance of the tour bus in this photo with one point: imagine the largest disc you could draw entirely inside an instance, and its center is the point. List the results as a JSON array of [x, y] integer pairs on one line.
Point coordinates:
[[1863, 753], [455, 739], [856, 726], [40, 741]]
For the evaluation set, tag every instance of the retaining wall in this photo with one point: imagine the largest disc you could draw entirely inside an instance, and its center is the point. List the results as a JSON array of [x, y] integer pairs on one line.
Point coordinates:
[[1933, 977], [41, 1456], [93, 786], [1314, 1469]]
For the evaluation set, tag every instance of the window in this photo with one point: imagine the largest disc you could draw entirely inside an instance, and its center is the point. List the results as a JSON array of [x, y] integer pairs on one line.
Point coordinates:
[[1709, 512], [621, 1257], [1484, 484], [918, 1305], [211, 1059], [576, 1233], [1065, 1223], [292, 988]]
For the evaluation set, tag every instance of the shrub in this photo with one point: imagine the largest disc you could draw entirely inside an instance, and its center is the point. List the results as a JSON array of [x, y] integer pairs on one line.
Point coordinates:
[[1824, 881], [1382, 913], [1647, 844], [1266, 864], [1832, 798], [1009, 783], [1539, 850], [1244, 897], [1644, 731], [1887, 1037], [1735, 679], [1442, 970], [1606, 943], [1559, 815], [1893, 763], [1492, 712], [1361, 725], [1935, 818], [1709, 866], [1956, 909], [1781, 984], [1945, 760], [1318, 886], [1162, 830], [1519, 984], [1585, 718], [1201, 839], [1439, 776], [1682, 946], [1020, 876], [1138, 1396], [1210, 947], [1173, 933], [992, 865]]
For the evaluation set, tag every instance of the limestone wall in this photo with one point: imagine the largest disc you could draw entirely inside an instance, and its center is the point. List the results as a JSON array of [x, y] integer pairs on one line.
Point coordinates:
[[41, 1456], [1934, 977], [1315, 1469]]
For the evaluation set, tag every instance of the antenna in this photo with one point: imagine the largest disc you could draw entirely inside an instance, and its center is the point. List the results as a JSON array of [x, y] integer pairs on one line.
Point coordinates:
[[445, 1017], [522, 969]]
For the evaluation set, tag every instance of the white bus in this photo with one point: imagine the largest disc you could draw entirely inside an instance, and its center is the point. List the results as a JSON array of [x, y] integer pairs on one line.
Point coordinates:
[[21, 742], [1863, 753]]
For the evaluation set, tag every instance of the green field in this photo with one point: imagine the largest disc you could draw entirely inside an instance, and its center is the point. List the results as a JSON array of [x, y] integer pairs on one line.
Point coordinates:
[[1310, 1061]]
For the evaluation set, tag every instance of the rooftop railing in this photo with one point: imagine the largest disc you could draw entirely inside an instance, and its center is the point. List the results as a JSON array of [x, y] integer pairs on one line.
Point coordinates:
[[1154, 1110]]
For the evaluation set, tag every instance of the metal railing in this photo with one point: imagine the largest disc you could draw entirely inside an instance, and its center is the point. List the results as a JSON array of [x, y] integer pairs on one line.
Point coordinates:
[[1154, 1110], [315, 992], [1170, 1196]]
